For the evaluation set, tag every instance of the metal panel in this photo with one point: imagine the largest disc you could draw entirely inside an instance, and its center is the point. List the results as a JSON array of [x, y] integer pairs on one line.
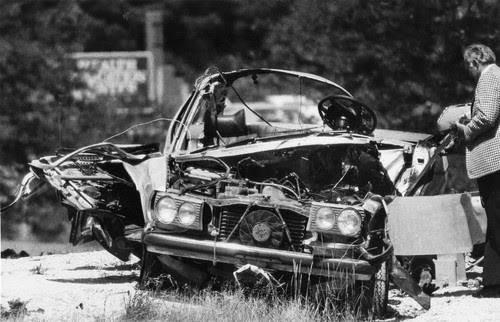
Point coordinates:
[[428, 225]]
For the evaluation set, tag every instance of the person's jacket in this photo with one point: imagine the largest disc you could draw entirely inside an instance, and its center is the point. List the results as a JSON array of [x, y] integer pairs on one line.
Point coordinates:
[[482, 133]]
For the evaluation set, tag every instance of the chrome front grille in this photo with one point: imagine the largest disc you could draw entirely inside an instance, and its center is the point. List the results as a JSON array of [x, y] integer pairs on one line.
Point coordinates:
[[229, 219], [297, 226], [231, 215]]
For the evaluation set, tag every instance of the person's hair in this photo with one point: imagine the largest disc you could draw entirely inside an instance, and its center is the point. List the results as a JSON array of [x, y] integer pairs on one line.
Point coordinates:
[[479, 53]]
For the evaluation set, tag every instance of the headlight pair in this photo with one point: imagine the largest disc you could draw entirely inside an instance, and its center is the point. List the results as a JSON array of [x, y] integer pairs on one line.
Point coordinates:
[[168, 212], [348, 221]]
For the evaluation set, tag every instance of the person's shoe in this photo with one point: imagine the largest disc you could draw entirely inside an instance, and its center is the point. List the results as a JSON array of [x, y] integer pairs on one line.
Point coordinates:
[[488, 291]]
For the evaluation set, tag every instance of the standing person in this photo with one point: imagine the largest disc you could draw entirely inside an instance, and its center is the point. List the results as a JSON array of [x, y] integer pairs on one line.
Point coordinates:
[[482, 138]]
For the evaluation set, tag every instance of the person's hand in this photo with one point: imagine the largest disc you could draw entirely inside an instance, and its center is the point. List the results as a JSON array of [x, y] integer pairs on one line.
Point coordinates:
[[464, 119], [459, 129], [450, 144]]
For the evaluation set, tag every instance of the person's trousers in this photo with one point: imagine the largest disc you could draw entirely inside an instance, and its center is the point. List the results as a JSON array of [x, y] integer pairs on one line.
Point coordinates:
[[489, 189]]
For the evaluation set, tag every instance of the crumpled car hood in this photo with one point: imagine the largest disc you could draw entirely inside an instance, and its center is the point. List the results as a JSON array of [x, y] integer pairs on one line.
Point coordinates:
[[391, 159]]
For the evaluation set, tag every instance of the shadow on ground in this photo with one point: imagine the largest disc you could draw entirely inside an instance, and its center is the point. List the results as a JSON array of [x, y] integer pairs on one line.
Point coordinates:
[[124, 267], [455, 293], [113, 279]]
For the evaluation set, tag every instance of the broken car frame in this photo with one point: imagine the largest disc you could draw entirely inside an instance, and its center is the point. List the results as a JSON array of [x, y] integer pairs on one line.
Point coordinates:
[[272, 197]]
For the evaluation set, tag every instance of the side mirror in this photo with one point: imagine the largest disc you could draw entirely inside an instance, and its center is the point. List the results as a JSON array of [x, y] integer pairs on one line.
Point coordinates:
[[232, 125]]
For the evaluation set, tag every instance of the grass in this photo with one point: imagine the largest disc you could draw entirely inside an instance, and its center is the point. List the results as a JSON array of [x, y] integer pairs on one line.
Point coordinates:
[[17, 310], [236, 305], [212, 306], [38, 269]]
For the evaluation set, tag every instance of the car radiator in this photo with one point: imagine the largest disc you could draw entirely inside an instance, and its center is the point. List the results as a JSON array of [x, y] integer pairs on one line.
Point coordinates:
[[295, 223]]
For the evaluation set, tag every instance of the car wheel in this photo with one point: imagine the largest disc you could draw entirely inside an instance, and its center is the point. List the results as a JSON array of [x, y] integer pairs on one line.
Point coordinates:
[[163, 271], [422, 269], [152, 271], [373, 294], [381, 290]]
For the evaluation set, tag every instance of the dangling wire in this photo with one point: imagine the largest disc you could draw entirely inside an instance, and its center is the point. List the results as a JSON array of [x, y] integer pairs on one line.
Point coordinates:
[[150, 122]]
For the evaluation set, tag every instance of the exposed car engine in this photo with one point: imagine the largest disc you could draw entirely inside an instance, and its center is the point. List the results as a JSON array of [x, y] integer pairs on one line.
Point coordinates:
[[340, 174]]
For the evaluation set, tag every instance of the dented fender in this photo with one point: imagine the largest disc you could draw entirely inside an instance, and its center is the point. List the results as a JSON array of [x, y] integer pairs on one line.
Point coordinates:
[[148, 176]]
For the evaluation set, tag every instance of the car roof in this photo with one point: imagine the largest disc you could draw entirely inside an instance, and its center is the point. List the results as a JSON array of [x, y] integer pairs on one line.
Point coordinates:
[[233, 75]]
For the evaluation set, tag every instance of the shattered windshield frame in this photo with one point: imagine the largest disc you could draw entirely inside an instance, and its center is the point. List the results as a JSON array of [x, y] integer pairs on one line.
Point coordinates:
[[274, 101]]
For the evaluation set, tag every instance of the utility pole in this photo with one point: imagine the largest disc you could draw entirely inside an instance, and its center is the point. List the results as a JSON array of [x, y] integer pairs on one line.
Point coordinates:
[[155, 44]]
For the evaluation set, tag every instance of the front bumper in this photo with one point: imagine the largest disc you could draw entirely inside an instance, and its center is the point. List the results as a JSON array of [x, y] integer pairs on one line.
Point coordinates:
[[238, 254]]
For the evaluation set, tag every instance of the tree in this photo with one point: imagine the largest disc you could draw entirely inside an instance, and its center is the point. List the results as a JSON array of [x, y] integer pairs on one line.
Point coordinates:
[[35, 76], [38, 113], [394, 55]]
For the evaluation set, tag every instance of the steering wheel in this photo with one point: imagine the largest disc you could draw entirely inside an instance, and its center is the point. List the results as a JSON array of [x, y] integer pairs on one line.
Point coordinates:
[[341, 112]]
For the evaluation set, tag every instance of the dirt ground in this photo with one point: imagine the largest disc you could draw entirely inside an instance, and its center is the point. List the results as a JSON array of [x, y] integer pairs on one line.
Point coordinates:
[[76, 286], [95, 285]]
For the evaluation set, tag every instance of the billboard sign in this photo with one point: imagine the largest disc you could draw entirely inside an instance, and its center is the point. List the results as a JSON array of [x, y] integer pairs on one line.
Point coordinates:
[[126, 78]]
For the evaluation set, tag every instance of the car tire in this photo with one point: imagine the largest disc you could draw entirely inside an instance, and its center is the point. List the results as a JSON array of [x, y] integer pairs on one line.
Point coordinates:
[[381, 290], [423, 271], [151, 271], [373, 294], [177, 273]]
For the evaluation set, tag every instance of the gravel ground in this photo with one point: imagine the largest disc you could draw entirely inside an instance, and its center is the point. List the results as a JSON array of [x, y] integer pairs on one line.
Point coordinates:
[[95, 285], [79, 286]]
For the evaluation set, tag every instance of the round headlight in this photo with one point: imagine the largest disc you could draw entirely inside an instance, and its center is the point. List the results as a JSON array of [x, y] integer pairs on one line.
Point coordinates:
[[325, 218], [166, 209], [349, 222], [187, 214]]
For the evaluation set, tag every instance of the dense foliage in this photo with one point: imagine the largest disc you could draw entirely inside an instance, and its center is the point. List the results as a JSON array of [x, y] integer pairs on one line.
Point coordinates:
[[38, 114], [402, 57]]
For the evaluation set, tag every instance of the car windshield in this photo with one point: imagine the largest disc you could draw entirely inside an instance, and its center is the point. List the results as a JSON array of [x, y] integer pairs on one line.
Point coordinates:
[[253, 104], [290, 100]]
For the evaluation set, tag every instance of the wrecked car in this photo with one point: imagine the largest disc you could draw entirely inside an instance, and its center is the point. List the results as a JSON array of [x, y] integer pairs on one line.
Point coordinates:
[[264, 172], [101, 199], [245, 194]]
